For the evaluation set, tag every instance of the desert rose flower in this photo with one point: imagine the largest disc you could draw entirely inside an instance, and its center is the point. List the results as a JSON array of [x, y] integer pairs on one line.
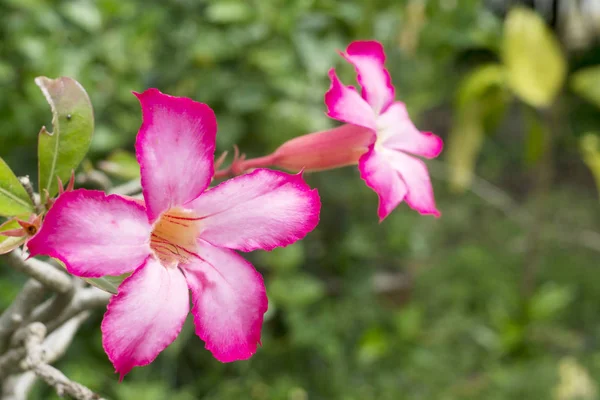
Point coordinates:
[[182, 238], [387, 166]]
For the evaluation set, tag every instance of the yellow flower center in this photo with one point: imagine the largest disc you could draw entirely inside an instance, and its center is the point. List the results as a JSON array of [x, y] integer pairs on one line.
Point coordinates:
[[173, 238]]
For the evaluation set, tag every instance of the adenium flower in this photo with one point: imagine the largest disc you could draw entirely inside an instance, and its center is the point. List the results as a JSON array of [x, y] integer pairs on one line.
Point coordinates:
[[182, 236], [386, 167]]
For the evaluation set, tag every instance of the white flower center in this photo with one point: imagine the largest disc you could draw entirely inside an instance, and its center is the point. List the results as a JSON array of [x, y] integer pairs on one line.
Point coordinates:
[[173, 239]]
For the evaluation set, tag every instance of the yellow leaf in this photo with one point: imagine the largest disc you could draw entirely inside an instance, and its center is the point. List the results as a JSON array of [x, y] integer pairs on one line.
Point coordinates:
[[590, 148], [586, 83], [464, 144], [533, 58]]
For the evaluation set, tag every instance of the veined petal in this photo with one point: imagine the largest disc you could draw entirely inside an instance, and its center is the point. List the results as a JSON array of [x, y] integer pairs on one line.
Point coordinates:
[[380, 176], [345, 104], [396, 131], [175, 148], [229, 301], [94, 234], [145, 316], [368, 59], [260, 210]]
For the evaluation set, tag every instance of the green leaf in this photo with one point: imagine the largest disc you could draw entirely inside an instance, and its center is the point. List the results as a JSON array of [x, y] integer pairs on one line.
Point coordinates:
[[13, 197], [480, 81], [109, 284], [533, 58], [61, 152], [464, 143], [590, 148], [121, 164], [586, 83], [8, 243], [535, 143], [549, 301]]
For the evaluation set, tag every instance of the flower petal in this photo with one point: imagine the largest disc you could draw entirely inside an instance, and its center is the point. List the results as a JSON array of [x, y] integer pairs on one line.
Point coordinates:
[[379, 175], [260, 210], [396, 176], [175, 148], [399, 133], [229, 301], [94, 234], [345, 104], [145, 316], [368, 59]]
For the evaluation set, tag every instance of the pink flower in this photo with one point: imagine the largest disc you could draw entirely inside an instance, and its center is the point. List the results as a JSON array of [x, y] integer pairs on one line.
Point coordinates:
[[181, 237], [386, 167]]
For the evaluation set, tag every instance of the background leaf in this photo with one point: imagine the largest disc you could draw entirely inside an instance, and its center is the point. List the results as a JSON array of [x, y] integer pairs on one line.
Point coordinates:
[[13, 197], [586, 83], [532, 55], [61, 151], [590, 147]]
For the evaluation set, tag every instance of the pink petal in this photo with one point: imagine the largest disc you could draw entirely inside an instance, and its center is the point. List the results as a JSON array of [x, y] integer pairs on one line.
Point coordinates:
[[369, 58], [260, 210], [145, 316], [175, 148], [379, 175], [229, 301], [94, 234], [345, 104], [399, 133], [395, 176]]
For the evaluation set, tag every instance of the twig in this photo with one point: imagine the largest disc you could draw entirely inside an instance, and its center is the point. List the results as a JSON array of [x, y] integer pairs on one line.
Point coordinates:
[[46, 274], [28, 298], [26, 183], [37, 358], [85, 299]]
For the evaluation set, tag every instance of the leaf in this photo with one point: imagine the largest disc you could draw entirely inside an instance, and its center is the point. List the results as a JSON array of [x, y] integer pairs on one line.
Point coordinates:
[[586, 83], [121, 164], [13, 197], [535, 143], [464, 143], [473, 104], [109, 284], [590, 148], [9, 243], [61, 152], [533, 58]]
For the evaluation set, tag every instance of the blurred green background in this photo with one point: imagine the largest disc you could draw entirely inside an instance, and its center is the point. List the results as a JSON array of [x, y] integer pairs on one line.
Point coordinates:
[[497, 299]]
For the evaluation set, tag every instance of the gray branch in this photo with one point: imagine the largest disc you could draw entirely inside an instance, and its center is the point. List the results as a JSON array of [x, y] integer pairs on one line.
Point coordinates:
[[52, 278]]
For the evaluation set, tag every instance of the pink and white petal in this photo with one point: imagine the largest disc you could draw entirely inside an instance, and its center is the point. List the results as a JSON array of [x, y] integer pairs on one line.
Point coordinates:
[[368, 58], [260, 210], [145, 316], [345, 104], [396, 131], [229, 301], [414, 173], [380, 176], [175, 148], [94, 234]]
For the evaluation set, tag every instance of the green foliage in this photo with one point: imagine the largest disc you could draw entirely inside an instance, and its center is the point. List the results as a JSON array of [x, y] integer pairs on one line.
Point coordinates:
[[13, 197], [586, 83], [61, 151], [533, 58]]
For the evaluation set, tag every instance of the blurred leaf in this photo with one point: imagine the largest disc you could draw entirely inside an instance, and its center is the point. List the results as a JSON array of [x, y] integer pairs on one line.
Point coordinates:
[[479, 81], [548, 301], [121, 164], [586, 83], [590, 147], [284, 258], [464, 143], [535, 143], [373, 345], [296, 291], [533, 58], [229, 11], [575, 382], [83, 13], [61, 151], [13, 197]]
